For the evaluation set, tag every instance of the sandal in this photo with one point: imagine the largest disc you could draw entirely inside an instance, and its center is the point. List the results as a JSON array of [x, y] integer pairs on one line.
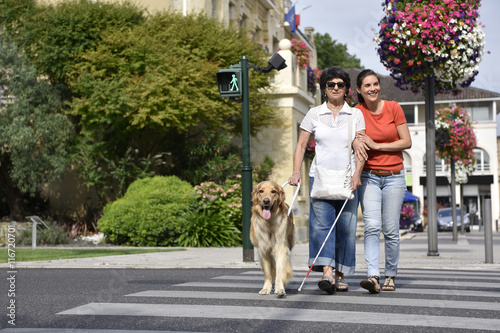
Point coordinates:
[[371, 284], [341, 284], [389, 284], [327, 284]]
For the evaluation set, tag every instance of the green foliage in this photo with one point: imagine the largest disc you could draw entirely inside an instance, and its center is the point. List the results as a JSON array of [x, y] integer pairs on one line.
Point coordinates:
[[110, 174], [152, 212], [207, 229], [34, 135], [222, 200], [157, 75], [55, 234], [212, 157], [136, 87], [330, 53], [262, 171], [55, 34], [219, 218]]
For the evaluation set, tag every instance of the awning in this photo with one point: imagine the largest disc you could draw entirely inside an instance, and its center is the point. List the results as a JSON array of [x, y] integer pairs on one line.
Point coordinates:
[[409, 197]]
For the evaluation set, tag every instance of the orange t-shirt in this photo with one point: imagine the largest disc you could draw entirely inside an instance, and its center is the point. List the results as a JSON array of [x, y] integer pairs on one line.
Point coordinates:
[[382, 129]]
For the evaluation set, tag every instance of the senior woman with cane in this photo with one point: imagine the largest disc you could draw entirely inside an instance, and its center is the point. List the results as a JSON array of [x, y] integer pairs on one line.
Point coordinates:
[[329, 123]]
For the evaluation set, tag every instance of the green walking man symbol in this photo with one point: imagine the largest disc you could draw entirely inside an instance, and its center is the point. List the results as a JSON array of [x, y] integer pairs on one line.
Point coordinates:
[[234, 83]]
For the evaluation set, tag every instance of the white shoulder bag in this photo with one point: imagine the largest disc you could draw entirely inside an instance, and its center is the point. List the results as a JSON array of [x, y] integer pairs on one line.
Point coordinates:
[[334, 184]]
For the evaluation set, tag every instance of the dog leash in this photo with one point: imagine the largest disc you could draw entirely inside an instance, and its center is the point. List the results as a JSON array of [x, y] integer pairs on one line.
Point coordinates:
[[294, 197], [331, 229]]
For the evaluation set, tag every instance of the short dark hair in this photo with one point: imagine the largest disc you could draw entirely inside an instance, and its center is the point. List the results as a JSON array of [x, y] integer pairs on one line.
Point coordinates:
[[359, 81], [334, 73]]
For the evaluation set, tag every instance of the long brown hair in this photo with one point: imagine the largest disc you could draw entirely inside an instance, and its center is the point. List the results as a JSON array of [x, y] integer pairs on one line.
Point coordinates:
[[359, 81]]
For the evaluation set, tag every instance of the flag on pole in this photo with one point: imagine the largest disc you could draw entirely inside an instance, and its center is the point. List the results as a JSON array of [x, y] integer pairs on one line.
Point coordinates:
[[290, 18]]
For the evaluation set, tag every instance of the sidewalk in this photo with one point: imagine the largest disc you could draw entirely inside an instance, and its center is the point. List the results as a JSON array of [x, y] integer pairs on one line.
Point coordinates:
[[467, 253]]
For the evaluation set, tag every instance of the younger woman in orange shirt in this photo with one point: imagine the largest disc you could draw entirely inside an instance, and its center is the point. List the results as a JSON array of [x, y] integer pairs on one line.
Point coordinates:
[[383, 184]]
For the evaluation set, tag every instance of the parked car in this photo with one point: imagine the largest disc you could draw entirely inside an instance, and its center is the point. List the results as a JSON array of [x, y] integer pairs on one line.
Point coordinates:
[[445, 222], [416, 224]]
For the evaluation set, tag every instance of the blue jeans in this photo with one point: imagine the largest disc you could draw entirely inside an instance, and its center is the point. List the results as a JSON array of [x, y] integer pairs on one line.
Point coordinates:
[[340, 249], [381, 198]]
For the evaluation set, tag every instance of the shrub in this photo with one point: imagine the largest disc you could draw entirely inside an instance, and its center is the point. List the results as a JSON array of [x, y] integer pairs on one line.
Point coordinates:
[[209, 228], [262, 171], [55, 234], [219, 218], [152, 212], [225, 200]]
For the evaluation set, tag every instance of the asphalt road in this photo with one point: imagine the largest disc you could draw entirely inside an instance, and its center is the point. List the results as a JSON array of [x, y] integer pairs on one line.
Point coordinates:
[[227, 300]]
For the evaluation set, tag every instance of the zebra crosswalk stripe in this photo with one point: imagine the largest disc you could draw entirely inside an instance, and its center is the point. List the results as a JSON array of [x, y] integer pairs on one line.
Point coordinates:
[[452, 294], [275, 313]]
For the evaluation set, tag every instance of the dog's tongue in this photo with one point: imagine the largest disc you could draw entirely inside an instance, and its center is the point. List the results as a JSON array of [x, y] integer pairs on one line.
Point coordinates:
[[266, 213]]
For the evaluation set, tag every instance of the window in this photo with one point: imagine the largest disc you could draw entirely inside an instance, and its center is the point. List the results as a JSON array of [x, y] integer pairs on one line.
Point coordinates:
[[440, 164], [482, 160], [407, 162], [479, 111], [409, 111]]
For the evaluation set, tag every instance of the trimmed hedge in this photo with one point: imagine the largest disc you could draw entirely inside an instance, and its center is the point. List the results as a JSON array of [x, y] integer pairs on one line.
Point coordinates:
[[152, 212]]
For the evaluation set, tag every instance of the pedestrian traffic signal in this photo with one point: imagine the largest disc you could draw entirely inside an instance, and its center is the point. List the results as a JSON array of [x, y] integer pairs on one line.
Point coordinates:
[[229, 82]]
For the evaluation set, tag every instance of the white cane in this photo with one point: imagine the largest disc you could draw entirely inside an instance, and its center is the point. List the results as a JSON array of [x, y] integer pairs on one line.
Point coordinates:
[[331, 229], [294, 197]]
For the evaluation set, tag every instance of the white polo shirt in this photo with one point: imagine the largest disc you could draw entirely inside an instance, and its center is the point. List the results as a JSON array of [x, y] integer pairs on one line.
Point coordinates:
[[331, 135]]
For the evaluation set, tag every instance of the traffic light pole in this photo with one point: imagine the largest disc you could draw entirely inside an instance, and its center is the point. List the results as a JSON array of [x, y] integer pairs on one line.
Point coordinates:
[[233, 83], [246, 170]]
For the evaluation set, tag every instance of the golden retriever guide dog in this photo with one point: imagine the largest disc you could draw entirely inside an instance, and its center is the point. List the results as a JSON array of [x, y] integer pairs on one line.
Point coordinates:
[[272, 233]]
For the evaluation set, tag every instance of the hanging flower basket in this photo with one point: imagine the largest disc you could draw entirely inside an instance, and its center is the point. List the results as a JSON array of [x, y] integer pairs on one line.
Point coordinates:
[[424, 38], [299, 48], [455, 138]]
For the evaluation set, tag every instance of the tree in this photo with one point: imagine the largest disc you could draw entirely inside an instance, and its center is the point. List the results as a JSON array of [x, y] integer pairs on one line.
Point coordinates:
[[138, 88], [34, 135], [330, 53], [53, 35], [152, 88]]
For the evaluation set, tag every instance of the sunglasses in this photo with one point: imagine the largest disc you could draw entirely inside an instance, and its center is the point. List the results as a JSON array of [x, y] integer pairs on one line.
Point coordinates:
[[332, 85]]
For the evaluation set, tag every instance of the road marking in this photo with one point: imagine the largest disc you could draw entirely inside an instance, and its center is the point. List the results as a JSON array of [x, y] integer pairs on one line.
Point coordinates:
[[285, 314], [338, 299], [399, 281], [352, 288]]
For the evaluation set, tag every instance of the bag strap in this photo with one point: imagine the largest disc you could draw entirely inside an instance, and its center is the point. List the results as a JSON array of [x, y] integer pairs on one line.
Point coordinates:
[[349, 139]]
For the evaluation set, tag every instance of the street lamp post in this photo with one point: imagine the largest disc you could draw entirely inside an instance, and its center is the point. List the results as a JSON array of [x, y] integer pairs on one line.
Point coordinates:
[[430, 138]]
